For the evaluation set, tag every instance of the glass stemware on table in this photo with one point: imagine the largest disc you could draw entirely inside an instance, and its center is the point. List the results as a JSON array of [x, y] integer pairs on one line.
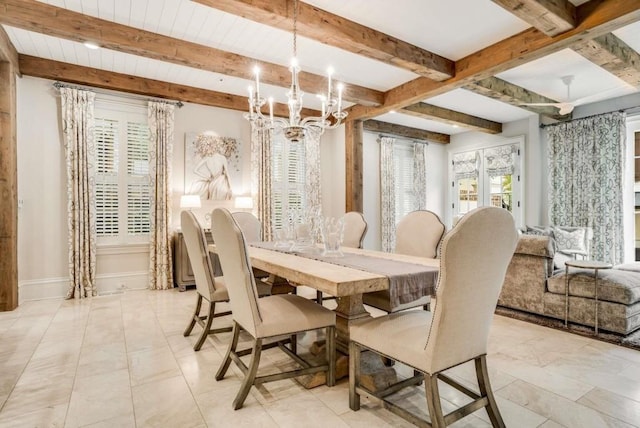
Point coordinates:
[[303, 232]]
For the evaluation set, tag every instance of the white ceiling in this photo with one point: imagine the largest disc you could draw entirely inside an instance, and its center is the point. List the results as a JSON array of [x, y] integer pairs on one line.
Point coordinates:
[[452, 28]]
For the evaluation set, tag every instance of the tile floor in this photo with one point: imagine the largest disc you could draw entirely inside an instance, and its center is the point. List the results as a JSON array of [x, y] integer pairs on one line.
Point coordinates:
[[121, 361]]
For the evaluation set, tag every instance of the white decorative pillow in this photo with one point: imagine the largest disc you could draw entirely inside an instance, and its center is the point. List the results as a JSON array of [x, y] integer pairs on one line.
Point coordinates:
[[573, 240]]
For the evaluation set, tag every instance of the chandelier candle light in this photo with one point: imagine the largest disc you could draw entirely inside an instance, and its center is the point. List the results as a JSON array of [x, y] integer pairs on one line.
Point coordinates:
[[295, 128]]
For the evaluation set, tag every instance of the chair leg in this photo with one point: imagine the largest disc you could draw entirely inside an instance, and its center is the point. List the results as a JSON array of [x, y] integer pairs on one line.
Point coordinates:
[[206, 328], [250, 375], [319, 297], [293, 344], [195, 316], [230, 350], [331, 355], [433, 400], [354, 375], [485, 390]]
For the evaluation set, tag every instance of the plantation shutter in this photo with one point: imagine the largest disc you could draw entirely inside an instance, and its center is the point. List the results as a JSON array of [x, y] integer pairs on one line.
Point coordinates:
[[404, 180], [138, 197], [106, 179]]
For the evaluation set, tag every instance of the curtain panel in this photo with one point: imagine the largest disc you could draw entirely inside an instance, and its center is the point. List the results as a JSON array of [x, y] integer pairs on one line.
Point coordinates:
[[420, 175], [161, 124], [261, 177], [586, 169], [77, 108], [387, 194]]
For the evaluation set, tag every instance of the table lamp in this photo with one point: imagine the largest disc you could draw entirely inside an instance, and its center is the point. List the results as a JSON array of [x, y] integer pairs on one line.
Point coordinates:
[[190, 201]]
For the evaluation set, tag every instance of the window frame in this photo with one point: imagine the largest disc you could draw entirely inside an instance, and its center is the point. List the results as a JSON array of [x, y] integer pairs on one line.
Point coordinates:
[[123, 113], [484, 180]]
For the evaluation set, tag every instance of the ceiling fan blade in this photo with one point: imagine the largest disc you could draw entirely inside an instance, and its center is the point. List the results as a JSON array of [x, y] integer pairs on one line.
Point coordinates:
[[541, 104]]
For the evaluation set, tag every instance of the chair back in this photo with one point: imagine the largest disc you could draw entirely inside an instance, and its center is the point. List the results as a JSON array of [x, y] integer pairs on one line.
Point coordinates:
[[355, 227], [419, 233], [234, 258], [250, 226], [475, 256], [201, 264]]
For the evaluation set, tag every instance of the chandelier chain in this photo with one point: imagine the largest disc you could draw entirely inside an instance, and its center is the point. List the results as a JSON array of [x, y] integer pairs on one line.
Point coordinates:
[[295, 28]]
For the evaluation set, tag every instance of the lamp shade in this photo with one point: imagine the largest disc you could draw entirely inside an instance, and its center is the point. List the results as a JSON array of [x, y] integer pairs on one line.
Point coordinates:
[[190, 201], [244, 202]]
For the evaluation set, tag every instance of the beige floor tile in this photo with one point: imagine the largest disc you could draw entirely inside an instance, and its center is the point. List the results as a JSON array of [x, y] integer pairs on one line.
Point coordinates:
[[49, 417], [100, 397], [613, 405], [551, 424], [125, 421], [152, 365], [303, 410], [217, 408], [557, 408], [166, 403], [199, 370]]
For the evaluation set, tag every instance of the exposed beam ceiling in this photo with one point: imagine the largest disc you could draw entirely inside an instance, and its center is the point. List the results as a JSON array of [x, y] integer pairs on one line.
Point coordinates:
[[504, 91], [614, 55], [337, 31], [8, 52], [431, 112], [596, 18], [40, 17], [552, 17], [54, 70], [405, 131]]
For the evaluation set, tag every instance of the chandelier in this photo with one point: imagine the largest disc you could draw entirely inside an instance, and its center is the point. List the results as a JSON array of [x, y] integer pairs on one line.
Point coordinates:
[[295, 128]]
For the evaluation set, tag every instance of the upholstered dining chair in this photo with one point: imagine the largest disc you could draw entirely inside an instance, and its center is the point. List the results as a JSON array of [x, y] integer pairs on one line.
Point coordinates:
[[208, 286], [282, 315], [418, 234], [355, 228], [475, 256], [250, 225]]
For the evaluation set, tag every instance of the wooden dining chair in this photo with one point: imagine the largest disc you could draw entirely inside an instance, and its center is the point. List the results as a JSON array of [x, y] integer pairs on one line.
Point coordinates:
[[475, 256], [282, 315], [418, 234], [355, 228], [208, 286]]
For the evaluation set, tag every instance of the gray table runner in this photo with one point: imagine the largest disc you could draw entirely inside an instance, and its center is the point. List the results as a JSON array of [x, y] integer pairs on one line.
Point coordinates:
[[407, 281]]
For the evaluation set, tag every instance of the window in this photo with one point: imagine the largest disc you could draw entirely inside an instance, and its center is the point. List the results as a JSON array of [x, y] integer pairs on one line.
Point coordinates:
[[122, 193], [288, 179], [488, 177], [406, 195]]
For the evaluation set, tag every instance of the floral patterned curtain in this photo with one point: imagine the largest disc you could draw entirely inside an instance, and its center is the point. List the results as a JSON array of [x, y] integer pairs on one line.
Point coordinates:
[[261, 177], [161, 122], [420, 175], [586, 169], [500, 160], [387, 194], [312, 189], [466, 165], [77, 127]]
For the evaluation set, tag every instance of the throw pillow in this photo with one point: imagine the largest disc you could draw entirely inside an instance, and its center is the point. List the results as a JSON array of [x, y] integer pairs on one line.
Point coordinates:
[[537, 230], [570, 240]]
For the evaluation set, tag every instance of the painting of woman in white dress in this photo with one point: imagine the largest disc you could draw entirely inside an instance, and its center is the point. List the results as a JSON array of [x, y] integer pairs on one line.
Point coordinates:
[[209, 168]]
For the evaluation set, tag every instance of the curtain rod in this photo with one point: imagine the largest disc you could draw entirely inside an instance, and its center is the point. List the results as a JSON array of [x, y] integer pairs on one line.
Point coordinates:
[[398, 137], [543, 125], [59, 85]]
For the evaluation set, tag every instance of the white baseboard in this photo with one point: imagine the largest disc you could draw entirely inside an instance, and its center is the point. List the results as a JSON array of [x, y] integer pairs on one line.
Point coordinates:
[[56, 288]]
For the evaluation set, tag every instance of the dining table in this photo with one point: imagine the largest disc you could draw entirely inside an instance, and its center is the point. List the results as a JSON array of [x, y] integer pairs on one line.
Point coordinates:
[[332, 276]]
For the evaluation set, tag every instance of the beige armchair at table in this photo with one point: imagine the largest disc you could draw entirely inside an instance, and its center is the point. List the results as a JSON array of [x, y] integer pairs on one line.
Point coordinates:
[[208, 286], [355, 228], [272, 316], [418, 234], [456, 331]]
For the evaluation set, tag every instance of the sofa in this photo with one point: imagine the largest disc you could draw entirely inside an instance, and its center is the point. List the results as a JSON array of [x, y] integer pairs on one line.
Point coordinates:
[[533, 285]]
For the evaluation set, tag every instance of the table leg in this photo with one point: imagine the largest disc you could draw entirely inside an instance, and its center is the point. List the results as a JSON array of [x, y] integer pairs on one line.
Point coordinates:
[[350, 308], [566, 296], [596, 299]]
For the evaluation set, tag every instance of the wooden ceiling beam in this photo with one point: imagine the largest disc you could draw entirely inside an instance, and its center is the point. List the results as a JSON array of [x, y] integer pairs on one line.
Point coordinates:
[[518, 96], [336, 31], [451, 117], [43, 18], [8, 52], [552, 17], [595, 18], [614, 55], [405, 131], [54, 70]]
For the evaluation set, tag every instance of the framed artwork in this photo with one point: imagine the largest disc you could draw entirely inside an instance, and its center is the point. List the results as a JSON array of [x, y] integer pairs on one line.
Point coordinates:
[[211, 166]]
